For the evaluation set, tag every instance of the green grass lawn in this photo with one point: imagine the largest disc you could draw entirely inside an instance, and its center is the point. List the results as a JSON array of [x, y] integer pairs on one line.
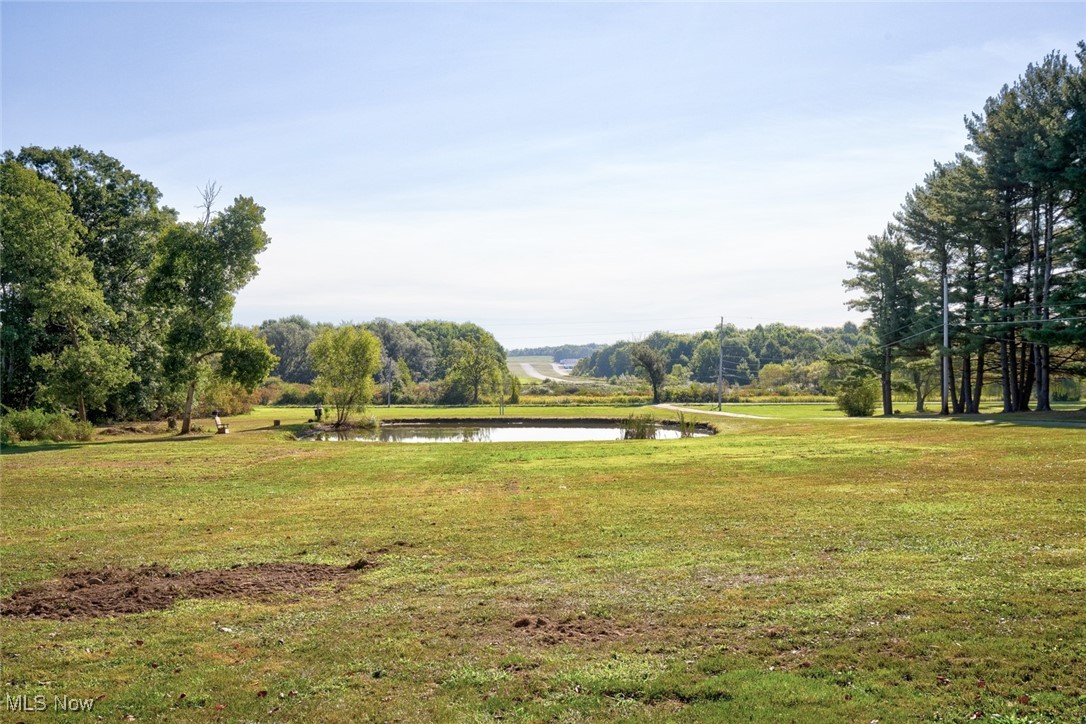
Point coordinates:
[[783, 411], [797, 569]]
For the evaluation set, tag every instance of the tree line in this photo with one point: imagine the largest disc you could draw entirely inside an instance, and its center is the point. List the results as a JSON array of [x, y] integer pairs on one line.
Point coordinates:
[[112, 305], [781, 354], [999, 233], [557, 352], [418, 361]]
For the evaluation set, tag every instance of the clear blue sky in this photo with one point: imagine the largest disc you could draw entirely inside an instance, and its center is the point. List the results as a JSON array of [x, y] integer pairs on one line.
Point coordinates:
[[554, 172]]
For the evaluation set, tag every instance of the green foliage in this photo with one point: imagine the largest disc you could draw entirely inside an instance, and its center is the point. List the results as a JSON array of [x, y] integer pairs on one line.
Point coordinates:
[[296, 394], [226, 397], [744, 351], [48, 295], [1066, 389], [109, 305], [514, 391], [245, 358], [198, 270], [345, 360], [1004, 226], [857, 395], [400, 342], [441, 336], [652, 364], [639, 427], [36, 424], [289, 339], [886, 278], [84, 375], [475, 364], [120, 224]]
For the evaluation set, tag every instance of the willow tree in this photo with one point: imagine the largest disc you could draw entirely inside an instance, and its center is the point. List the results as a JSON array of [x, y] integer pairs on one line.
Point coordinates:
[[345, 360]]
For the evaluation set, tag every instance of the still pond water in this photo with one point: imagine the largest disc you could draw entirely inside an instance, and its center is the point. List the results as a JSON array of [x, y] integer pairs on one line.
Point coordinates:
[[509, 432]]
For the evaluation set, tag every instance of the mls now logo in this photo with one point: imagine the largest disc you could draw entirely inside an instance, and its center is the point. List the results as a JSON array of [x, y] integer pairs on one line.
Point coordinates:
[[24, 702]]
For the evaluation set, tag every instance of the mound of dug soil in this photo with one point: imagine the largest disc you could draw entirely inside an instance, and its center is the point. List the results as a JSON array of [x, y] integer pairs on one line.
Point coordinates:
[[113, 591], [569, 630]]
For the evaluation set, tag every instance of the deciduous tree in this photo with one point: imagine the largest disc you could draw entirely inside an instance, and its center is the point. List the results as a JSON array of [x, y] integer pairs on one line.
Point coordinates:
[[651, 364], [475, 364], [345, 359], [55, 317], [199, 269]]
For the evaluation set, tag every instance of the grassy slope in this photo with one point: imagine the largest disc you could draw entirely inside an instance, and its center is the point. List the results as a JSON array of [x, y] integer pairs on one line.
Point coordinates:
[[517, 370], [820, 570], [542, 364]]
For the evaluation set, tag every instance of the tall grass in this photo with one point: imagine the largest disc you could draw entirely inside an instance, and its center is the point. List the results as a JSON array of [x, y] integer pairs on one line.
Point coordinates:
[[640, 427], [687, 426]]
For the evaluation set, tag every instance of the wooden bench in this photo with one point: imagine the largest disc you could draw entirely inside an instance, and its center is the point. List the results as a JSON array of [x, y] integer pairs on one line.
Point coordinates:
[[223, 429]]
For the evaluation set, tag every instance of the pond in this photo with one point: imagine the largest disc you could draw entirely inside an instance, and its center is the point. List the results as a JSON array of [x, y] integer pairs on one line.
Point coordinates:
[[494, 431]]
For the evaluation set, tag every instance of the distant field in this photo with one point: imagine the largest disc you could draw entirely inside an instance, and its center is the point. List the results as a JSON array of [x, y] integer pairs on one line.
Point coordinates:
[[785, 569], [542, 365], [516, 367]]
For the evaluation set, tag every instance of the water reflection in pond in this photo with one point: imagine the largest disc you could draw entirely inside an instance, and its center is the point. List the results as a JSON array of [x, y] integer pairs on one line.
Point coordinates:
[[443, 432]]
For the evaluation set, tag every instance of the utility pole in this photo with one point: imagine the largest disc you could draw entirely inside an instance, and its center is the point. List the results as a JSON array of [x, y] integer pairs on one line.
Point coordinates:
[[946, 346], [720, 367], [501, 394]]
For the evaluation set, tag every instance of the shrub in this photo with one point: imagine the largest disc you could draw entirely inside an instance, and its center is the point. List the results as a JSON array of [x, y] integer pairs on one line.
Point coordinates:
[[690, 392], [856, 397], [40, 425], [269, 392], [297, 394], [62, 427], [1066, 389], [25, 425], [226, 396]]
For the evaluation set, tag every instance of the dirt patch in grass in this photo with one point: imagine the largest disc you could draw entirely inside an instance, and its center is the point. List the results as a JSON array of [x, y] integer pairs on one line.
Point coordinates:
[[543, 630], [113, 591]]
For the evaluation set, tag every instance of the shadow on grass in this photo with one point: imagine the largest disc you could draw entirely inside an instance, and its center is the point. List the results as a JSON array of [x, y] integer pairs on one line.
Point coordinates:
[[1023, 422], [25, 448], [1015, 419], [292, 428]]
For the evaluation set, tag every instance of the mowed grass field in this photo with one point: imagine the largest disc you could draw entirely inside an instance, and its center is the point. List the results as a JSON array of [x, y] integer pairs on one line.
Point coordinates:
[[539, 362], [795, 569], [543, 364]]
